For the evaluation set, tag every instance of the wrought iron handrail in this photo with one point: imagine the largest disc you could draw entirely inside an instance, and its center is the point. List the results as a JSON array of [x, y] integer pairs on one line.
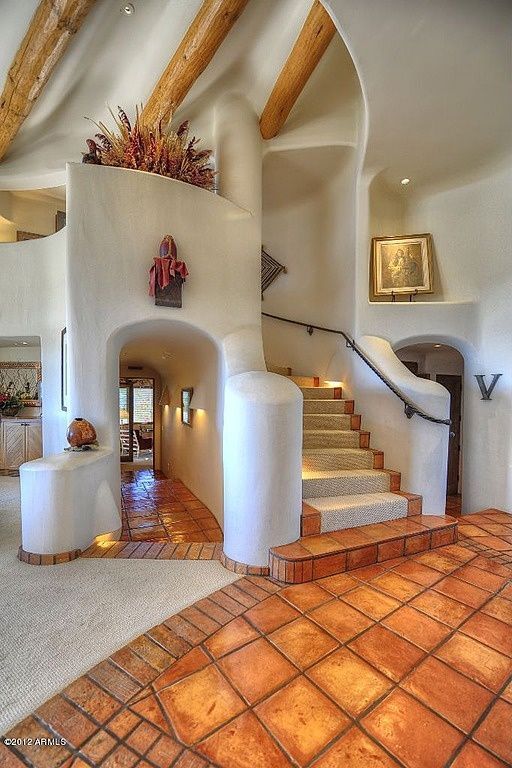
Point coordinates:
[[409, 408]]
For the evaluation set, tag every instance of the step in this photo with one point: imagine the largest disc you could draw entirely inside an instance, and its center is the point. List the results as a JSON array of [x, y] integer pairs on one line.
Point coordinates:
[[314, 557], [335, 438], [322, 393], [282, 370], [306, 381], [347, 482], [323, 459], [332, 421], [328, 406], [338, 512]]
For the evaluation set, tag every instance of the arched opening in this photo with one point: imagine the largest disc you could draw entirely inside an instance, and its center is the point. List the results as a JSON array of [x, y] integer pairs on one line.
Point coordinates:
[[20, 402], [32, 213], [444, 364], [169, 417]]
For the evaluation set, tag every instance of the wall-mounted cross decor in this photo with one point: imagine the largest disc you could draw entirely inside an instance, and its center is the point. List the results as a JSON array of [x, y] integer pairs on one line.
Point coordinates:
[[487, 391]]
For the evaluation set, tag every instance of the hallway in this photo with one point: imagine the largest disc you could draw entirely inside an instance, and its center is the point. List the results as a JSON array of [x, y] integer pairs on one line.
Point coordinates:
[[158, 509]]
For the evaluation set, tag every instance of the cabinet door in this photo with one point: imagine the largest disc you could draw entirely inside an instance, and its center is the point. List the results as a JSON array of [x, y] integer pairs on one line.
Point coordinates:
[[34, 442], [13, 444]]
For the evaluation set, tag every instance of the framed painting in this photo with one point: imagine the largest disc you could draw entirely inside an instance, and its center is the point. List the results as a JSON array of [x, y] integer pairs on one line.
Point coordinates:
[[186, 411], [22, 378], [402, 265]]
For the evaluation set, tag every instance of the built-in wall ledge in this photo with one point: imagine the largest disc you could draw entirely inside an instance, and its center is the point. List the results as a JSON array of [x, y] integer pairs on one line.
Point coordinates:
[[66, 502], [290, 143], [425, 302]]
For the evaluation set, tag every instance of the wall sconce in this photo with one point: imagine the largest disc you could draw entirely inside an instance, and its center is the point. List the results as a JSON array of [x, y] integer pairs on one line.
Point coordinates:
[[164, 397], [186, 411]]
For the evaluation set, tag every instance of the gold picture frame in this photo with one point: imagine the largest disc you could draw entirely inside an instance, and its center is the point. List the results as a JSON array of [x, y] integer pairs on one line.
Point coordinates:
[[402, 265]]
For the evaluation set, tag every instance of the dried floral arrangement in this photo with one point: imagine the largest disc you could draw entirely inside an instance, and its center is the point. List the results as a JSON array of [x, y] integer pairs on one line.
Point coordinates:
[[156, 149]]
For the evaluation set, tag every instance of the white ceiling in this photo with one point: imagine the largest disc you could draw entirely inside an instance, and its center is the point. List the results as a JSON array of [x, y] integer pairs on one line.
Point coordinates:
[[436, 75], [19, 341]]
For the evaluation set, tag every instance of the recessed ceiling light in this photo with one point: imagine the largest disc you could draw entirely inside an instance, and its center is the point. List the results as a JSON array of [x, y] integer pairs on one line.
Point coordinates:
[[404, 181], [128, 9], [437, 346]]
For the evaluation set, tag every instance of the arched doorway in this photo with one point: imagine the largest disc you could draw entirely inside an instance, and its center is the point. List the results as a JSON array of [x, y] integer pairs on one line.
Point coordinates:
[[444, 364]]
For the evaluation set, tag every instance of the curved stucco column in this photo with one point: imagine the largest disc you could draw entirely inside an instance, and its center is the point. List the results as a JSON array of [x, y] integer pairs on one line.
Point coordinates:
[[262, 465]]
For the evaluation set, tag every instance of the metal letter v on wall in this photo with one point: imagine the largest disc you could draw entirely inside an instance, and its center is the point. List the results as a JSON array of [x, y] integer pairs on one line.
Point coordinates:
[[487, 391]]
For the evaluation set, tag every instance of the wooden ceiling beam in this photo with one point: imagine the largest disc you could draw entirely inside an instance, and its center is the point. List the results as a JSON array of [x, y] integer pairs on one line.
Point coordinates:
[[52, 27], [310, 46], [197, 48]]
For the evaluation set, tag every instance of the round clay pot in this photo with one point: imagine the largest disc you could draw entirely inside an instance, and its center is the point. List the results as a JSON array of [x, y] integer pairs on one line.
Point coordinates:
[[81, 432]]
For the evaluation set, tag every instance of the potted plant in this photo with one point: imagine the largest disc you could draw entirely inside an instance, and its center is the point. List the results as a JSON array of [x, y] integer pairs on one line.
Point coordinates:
[[153, 148], [10, 402]]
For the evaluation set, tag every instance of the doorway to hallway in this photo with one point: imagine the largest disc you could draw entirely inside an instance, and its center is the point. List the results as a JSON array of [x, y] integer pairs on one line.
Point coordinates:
[[136, 421]]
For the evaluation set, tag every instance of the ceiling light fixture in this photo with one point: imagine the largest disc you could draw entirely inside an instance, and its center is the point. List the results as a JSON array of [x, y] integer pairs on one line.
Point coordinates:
[[437, 346], [404, 181], [128, 9]]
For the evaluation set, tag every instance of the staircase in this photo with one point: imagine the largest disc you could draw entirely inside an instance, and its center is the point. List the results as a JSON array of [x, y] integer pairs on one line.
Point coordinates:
[[346, 487]]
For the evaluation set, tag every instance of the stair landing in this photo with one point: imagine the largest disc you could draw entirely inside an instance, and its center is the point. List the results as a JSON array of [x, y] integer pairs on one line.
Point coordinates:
[[313, 557]]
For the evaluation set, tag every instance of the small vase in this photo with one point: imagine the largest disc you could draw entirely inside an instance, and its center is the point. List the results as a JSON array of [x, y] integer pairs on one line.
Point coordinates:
[[81, 432]]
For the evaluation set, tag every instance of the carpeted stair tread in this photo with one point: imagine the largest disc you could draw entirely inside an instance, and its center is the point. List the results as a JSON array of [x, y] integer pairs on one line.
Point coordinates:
[[321, 393], [320, 483], [330, 438], [327, 421], [338, 512], [326, 406], [336, 458]]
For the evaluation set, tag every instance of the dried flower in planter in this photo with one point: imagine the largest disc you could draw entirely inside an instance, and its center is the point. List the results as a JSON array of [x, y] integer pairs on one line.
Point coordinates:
[[156, 149]]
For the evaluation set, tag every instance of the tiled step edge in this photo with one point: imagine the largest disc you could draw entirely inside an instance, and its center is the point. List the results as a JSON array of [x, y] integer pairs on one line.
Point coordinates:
[[60, 557], [294, 564], [242, 568]]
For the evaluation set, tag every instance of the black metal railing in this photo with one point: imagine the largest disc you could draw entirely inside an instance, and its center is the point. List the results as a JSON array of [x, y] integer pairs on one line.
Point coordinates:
[[410, 409]]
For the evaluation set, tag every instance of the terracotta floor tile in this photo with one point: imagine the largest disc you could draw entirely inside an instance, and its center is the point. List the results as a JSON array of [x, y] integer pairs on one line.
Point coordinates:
[[66, 720], [164, 752], [303, 642], [368, 572], [230, 637], [120, 758], [8, 759], [499, 608], [462, 591], [507, 693], [271, 614], [472, 756], [288, 711], [477, 661], [437, 561], [397, 586], [493, 542], [347, 679], [442, 608], [417, 572], [489, 631], [489, 581], [355, 750], [257, 669], [389, 653], [338, 584], [351, 537], [92, 699], [123, 723], [306, 596], [98, 746], [411, 732], [150, 709], [320, 545], [449, 693], [340, 620], [491, 567], [370, 601], [37, 754], [459, 553], [243, 743], [495, 733], [142, 738], [199, 704], [191, 662], [415, 626]]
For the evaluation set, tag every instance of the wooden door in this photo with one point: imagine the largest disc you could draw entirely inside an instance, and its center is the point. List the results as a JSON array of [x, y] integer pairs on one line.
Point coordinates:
[[13, 444], [33, 442], [454, 386]]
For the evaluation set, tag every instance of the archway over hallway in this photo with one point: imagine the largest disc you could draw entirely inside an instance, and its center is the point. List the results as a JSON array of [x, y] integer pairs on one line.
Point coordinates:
[[175, 496], [444, 364]]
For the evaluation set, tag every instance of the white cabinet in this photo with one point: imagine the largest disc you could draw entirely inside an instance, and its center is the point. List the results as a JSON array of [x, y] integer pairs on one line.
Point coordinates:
[[20, 441]]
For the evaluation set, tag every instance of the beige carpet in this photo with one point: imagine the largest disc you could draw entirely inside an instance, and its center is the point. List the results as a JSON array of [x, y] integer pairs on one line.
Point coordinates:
[[56, 622]]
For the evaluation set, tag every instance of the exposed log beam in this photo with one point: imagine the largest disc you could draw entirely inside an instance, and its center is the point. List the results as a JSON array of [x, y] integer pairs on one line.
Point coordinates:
[[197, 48], [310, 46], [52, 27]]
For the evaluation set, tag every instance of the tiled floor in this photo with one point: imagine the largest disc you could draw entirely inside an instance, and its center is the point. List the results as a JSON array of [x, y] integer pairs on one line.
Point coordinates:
[[158, 509], [403, 663]]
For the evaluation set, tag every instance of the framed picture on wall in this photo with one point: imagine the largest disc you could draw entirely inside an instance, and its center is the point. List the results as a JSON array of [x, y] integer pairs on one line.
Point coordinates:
[[64, 395], [186, 411], [402, 265]]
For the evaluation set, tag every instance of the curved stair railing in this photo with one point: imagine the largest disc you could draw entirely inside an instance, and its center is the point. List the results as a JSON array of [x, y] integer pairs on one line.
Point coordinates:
[[410, 409]]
